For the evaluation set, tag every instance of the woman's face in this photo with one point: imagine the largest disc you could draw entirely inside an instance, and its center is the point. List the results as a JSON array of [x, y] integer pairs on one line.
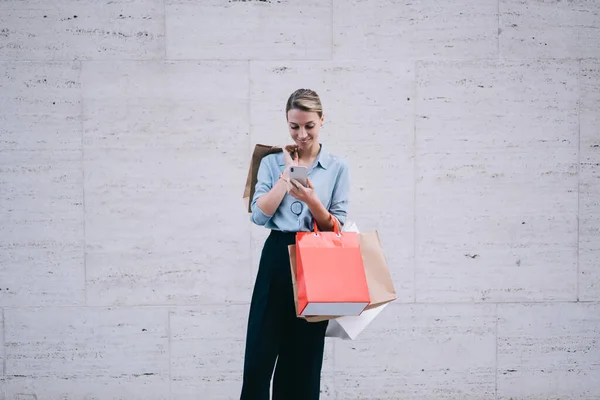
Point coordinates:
[[304, 127]]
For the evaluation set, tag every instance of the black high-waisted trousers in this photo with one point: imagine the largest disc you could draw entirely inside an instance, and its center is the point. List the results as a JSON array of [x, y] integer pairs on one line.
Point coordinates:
[[275, 334]]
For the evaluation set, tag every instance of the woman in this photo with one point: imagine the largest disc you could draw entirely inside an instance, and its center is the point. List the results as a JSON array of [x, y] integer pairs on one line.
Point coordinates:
[[284, 206]]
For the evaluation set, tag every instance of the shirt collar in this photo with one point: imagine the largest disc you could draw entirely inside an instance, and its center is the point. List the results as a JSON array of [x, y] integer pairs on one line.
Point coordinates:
[[323, 159]]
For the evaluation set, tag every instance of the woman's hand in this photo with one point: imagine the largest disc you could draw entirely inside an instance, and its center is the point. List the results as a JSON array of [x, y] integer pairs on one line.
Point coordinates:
[[309, 197], [304, 194], [290, 156]]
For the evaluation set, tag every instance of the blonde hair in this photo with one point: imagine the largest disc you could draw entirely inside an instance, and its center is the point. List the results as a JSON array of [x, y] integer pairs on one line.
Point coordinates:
[[305, 100]]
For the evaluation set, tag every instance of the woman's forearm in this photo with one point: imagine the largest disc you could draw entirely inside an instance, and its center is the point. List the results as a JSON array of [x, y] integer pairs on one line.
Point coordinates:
[[320, 214], [269, 202]]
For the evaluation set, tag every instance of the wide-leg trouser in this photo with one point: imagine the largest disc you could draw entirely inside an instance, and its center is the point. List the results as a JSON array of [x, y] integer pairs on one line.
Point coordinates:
[[276, 335]]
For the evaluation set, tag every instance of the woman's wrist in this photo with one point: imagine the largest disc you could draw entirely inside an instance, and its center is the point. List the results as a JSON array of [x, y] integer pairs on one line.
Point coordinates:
[[281, 182], [322, 216], [315, 205], [284, 176]]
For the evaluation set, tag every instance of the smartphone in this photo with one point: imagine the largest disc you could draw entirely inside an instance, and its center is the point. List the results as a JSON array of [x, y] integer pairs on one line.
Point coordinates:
[[300, 174]]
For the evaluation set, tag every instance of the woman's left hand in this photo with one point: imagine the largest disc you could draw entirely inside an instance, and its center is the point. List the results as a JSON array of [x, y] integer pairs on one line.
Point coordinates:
[[302, 193]]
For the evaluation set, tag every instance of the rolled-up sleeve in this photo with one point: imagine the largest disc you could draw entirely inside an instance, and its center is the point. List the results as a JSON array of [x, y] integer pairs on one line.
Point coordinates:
[[263, 185], [341, 194]]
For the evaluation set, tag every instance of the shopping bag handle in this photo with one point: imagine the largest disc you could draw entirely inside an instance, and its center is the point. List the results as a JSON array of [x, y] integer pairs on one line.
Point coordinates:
[[336, 226]]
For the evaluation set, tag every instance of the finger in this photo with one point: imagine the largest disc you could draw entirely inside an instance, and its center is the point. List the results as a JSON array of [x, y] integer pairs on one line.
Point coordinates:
[[309, 183], [299, 186], [295, 183]]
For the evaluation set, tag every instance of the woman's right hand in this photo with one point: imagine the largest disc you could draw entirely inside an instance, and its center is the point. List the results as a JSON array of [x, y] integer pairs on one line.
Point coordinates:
[[290, 157]]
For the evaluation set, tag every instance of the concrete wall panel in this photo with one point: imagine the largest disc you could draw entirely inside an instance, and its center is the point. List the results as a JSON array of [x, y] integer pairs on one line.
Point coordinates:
[[207, 351], [402, 30], [158, 165], [76, 353], [548, 351], [438, 352], [496, 181], [240, 29], [41, 229], [82, 30], [40, 106], [549, 29], [589, 182]]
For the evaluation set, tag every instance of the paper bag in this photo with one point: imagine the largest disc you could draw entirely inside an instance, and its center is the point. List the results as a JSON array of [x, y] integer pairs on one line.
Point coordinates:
[[381, 288], [379, 280], [349, 327], [330, 274], [260, 151], [292, 251]]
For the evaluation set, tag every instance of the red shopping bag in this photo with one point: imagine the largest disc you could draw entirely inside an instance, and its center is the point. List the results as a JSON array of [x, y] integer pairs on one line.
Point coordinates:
[[330, 273]]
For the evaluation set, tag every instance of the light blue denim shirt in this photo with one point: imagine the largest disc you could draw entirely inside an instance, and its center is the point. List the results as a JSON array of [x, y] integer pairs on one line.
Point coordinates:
[[330, 177]]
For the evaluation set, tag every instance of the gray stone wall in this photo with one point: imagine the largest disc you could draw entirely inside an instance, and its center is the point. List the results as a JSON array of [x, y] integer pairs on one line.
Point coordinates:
[[472, 129]]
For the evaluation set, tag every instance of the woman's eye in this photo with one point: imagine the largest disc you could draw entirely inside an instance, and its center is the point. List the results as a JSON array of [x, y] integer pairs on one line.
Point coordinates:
[[294, 127], [309, 127]]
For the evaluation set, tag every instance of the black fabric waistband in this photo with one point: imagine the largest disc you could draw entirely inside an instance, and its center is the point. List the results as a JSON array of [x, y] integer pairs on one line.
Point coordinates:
[[280, 238], [279, 234]]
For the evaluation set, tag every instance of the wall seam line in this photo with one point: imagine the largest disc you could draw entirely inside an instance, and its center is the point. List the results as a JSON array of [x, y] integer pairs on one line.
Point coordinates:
[[3, 348], [498, 31], [169, 352], [496, 358], [415, 176], [164, 30], [397, 303], [332, 4], [579, 91], [288, 59], [83, 202]]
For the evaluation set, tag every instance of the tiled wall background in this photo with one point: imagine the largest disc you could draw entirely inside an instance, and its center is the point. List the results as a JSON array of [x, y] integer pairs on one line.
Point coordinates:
[[472, 129]]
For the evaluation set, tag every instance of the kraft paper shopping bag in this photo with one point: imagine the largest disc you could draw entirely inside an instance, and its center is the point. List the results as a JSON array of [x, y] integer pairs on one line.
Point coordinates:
[[379, 278], [381, 287], [260, 151]]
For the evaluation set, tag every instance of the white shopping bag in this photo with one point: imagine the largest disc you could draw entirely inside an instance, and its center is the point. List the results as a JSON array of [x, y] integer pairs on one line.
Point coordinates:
[[349, 327]]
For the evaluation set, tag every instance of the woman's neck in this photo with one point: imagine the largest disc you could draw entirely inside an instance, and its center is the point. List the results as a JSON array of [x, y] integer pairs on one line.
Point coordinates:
[[308, 156]]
